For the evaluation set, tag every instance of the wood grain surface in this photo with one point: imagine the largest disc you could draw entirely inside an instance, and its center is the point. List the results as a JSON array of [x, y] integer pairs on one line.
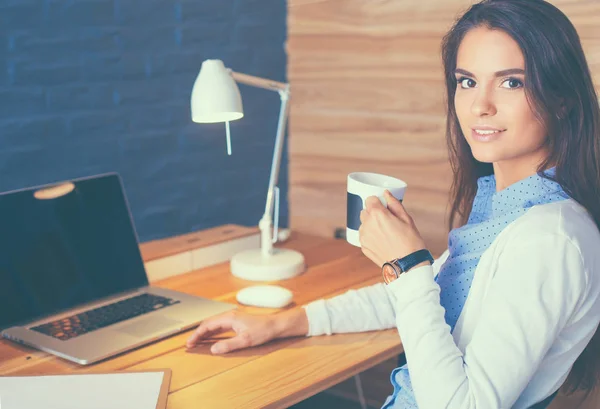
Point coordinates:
[[274, 375], [368, 95]]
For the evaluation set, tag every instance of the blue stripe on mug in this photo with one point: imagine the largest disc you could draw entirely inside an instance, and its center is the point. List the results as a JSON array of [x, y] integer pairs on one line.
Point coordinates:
[[354, 207]]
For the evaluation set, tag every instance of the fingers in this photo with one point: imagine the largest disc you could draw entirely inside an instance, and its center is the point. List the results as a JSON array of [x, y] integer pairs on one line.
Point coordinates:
[[242, 340], [395, 206], [373, 209], [363, 216], [373, 202], [365, 243], [210, 326]]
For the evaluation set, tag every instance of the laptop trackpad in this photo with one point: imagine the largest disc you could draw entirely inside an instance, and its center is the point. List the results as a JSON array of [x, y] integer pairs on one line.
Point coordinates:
[[148, 326]]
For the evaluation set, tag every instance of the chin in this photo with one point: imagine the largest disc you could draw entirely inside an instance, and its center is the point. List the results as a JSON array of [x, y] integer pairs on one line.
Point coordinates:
[[485, 155]]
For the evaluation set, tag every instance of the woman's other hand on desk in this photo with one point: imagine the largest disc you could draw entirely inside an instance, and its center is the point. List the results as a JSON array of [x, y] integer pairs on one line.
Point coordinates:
[[251, 330]]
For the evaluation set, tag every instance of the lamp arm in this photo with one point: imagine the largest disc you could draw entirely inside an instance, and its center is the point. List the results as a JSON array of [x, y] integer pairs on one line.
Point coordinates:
[[259, 82], [265, 223]]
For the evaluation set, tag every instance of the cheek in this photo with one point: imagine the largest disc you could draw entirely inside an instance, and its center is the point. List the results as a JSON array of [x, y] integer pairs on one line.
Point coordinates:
[[462, 104], [524, 122]]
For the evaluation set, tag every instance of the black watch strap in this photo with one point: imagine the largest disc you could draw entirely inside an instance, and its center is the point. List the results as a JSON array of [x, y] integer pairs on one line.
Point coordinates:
[[413, 259]]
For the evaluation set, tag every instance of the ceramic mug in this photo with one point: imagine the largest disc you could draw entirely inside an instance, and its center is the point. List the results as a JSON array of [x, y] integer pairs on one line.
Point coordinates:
[[360, 186]]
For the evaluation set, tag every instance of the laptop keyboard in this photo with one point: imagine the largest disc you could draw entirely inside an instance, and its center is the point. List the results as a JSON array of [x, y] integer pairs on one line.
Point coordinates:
[[79, 324]]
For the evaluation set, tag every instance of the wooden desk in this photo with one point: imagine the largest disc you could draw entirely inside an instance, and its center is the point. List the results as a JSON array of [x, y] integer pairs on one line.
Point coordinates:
[[275, 375]]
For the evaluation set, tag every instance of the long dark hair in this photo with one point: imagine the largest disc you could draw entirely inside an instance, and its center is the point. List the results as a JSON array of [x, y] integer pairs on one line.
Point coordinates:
[[559, 88]]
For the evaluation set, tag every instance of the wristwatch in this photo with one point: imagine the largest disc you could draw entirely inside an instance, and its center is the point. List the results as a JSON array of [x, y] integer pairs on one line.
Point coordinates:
[[391, 270]]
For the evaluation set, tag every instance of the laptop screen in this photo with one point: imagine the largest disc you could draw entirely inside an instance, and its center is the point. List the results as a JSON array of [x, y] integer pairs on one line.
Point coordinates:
[[65, 246]]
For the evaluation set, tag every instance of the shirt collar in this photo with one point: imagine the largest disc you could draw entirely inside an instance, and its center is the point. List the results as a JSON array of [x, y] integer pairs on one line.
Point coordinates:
[[522, 194]]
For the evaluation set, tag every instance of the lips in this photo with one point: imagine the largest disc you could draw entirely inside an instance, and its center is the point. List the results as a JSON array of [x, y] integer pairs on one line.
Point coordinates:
[[486, 133]]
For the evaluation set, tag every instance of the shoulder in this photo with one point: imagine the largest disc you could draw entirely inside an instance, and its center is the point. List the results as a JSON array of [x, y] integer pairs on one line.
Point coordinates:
[[570, 230], [566, 218], [553, 251]]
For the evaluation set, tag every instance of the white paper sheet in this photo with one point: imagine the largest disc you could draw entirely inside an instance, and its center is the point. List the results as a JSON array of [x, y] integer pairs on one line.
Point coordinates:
[[90, 391]]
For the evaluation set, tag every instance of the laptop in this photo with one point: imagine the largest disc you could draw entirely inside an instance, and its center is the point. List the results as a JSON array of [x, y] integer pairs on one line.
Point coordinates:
[[72, 279]]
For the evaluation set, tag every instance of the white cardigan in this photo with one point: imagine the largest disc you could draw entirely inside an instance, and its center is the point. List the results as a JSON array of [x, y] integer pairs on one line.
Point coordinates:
[[533, 306]]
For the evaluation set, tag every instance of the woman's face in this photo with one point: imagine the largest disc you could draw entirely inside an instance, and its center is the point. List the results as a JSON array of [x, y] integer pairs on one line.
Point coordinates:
[[494, 114]]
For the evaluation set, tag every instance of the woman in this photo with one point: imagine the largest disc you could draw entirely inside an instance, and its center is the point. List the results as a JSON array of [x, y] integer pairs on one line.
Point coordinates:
[[507, 314]]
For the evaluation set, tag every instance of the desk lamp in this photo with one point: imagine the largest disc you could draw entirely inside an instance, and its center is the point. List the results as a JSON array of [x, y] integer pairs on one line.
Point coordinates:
[[216, 98]]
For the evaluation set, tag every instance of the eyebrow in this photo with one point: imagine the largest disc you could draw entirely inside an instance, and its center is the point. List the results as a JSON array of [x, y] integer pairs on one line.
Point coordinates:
[[503, 73]]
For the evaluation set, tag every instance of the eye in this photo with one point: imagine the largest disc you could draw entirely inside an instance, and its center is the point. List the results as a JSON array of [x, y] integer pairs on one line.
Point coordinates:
[[512, 83], [466, 83]]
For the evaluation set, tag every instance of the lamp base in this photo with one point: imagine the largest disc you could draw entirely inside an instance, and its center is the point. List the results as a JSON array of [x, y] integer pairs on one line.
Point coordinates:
[[280, 265]]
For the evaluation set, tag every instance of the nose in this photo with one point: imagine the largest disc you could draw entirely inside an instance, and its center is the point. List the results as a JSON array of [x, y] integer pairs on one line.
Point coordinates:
[[483, 105]]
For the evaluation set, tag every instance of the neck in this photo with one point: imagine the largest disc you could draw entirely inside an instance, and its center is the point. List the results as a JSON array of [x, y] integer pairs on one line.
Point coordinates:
[[507, 174], [513, 170]]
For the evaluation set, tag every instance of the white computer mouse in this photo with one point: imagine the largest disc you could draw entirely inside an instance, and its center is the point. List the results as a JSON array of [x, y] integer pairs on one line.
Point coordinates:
[[268, 296]]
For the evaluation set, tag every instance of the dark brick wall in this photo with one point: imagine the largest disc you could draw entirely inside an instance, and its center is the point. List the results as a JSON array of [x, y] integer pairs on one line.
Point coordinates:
[[94, 86]]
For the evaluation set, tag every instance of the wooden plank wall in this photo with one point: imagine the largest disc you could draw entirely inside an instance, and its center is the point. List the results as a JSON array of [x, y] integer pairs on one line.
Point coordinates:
[[368, 95]]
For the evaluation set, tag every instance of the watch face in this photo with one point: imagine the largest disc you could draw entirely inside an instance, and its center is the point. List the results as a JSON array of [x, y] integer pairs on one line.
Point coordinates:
[[389, 273]]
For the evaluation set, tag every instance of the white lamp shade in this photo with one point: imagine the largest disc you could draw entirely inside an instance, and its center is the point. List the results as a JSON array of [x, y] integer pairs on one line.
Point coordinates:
[[215, 96]]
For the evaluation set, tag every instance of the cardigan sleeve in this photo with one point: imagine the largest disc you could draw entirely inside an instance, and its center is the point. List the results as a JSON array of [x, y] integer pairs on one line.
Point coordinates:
[[365, 309], [534, 291]]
